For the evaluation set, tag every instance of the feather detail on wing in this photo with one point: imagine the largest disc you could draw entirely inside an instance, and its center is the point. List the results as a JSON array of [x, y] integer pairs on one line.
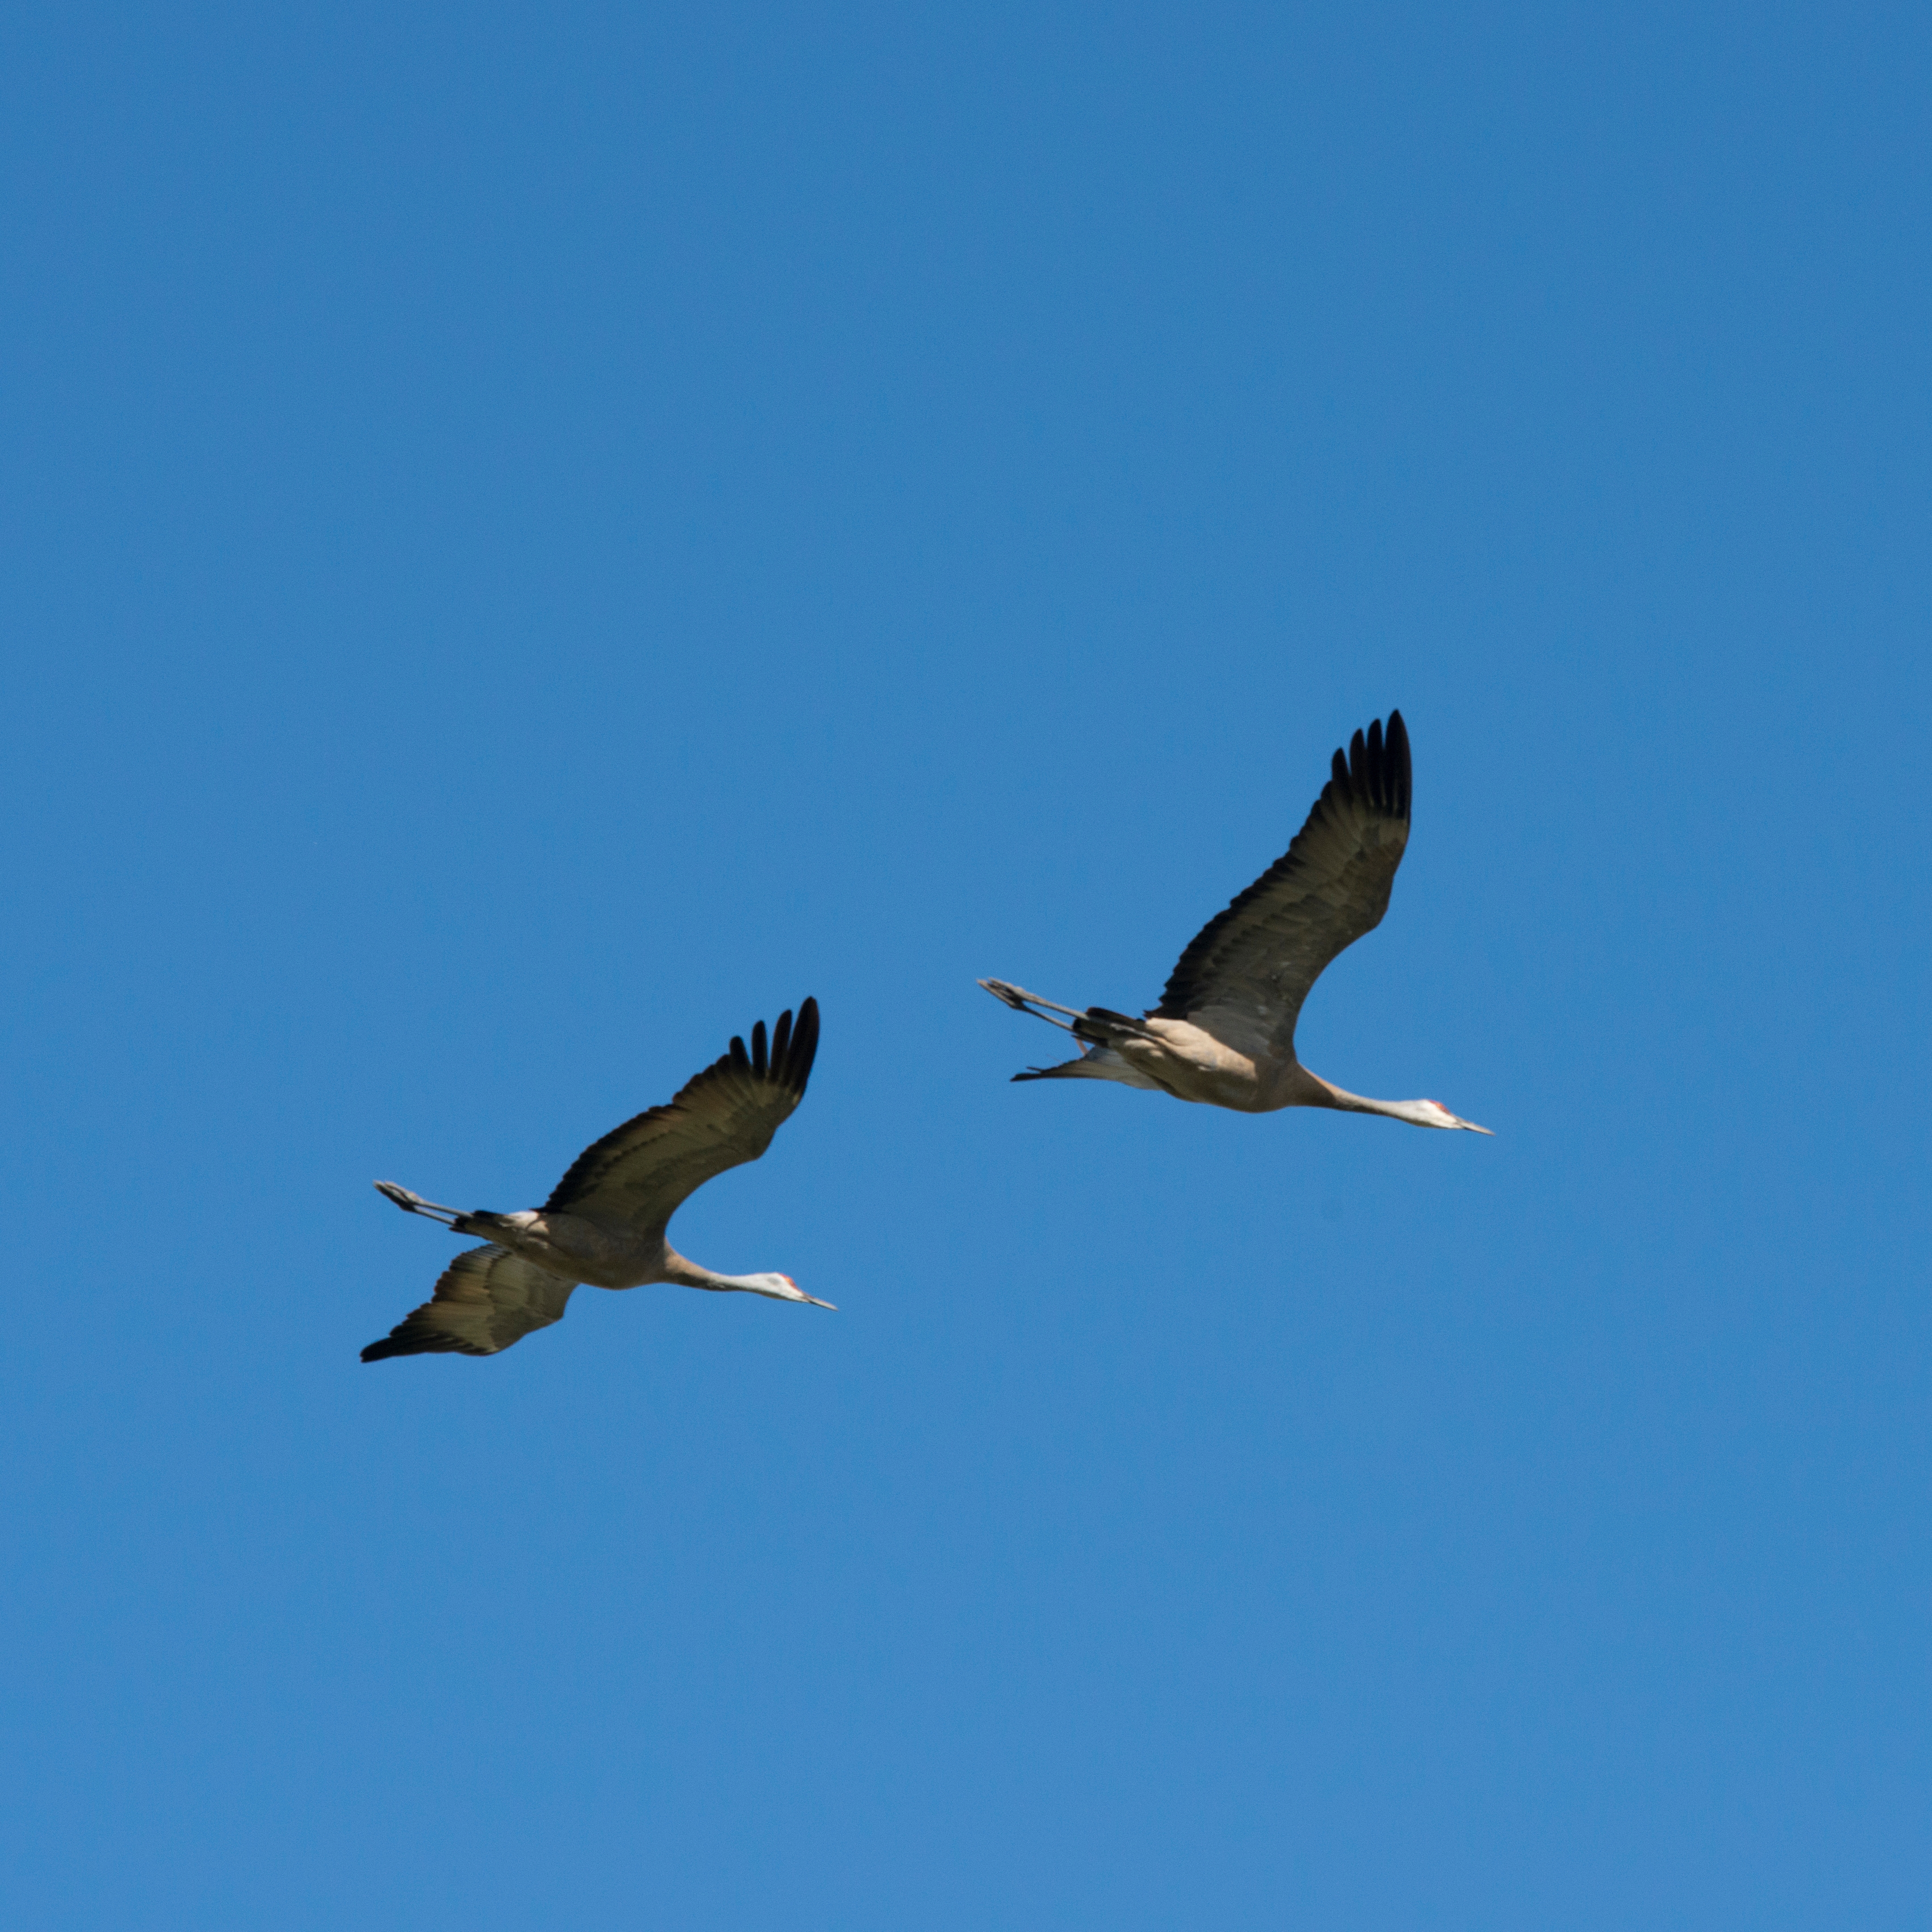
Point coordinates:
[[637, 1174], [487, 1298], [1095, 1063], [1245, 974]]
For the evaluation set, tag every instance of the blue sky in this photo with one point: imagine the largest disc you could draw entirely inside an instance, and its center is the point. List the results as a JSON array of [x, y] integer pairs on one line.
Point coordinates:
[[535, 537]]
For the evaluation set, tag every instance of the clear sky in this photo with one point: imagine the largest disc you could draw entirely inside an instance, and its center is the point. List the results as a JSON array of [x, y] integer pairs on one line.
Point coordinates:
[[534, 536]]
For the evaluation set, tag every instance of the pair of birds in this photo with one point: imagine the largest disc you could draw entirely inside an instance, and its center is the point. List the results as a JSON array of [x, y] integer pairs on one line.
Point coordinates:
[[1223, 1035]]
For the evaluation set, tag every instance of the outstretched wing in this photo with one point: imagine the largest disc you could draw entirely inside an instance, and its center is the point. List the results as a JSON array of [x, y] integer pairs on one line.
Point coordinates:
[[487, 1298], [1248, 969], [637, 1174]]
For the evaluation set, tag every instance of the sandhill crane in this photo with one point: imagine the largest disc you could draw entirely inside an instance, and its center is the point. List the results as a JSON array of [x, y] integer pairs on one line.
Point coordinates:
[[1224, 1032], [604, 1222]]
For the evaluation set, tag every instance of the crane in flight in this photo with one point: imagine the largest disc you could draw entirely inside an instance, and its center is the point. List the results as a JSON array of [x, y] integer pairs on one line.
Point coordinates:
[[1224, 1032], [604, 1222]]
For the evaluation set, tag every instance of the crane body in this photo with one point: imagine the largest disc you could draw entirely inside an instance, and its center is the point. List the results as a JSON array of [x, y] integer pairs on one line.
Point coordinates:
[[605, 1223], [1223, 1035]]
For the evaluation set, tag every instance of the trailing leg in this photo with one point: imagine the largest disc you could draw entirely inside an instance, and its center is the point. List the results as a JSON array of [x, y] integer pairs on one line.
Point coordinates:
[[414, 1204], [1024, 1002]]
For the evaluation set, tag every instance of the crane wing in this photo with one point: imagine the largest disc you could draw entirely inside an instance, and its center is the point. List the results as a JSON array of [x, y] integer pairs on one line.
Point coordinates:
[[637, 1174], [1248, 969], [487, 1298]]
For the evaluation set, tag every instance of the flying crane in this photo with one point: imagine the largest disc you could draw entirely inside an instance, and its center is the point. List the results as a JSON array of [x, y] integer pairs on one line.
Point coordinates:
[[1224, 1032], [604, 1222]]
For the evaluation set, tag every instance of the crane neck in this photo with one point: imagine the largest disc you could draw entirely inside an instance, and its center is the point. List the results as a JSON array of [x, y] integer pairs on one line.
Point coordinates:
[[687, 1274], [1415, 1112]]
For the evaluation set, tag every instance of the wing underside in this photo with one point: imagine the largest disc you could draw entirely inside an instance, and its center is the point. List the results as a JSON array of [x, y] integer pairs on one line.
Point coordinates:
[[1244, 977], [486, 1299], [637, 1174]]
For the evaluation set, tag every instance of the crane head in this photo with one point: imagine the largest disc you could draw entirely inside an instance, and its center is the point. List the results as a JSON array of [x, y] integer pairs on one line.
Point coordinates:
[[1435, 1115], [780, 1287]]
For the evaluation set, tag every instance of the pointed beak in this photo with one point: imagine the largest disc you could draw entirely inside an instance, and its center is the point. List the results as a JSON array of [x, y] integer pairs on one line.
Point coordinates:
[[1475, 1130], [815, 1302]]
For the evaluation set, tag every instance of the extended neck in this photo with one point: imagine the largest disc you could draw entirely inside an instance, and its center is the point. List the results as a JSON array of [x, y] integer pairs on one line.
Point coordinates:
[[687, 1274], [1417, 1113], [777, 1287]]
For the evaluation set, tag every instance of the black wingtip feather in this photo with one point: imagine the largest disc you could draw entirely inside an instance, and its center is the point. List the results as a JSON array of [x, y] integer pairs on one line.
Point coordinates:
[[804, 1044], [400, 1342], [1399, 762], [1375, 768], [787, 1056]]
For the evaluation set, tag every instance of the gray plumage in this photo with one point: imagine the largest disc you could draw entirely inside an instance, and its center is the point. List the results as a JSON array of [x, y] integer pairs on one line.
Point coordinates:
[[1223, 1034], [605, 1221]]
